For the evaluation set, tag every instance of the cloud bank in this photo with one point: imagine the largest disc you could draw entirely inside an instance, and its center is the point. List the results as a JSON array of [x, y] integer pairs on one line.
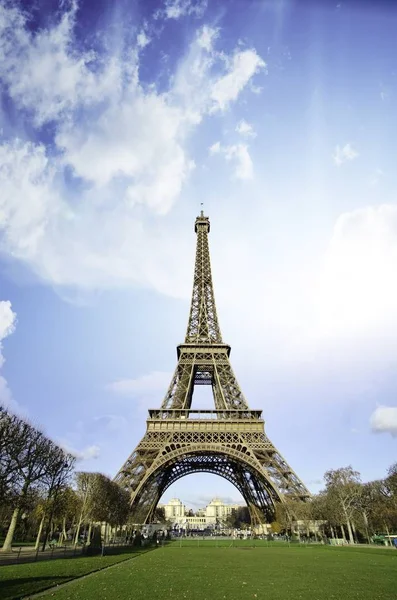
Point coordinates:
[[82, 205]]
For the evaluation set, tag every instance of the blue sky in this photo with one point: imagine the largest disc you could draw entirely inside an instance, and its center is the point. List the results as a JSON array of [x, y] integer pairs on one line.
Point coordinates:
[[117, 121]]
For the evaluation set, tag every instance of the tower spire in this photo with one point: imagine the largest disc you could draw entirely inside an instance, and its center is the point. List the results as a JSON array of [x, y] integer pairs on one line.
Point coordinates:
[[203, 325]]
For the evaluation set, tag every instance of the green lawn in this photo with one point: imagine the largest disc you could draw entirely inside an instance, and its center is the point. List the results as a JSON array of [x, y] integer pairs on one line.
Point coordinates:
[[207, 572], [17, 581]]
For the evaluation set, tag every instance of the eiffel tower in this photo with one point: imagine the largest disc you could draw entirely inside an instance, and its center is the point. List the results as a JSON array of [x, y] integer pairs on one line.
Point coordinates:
[[229, 441]]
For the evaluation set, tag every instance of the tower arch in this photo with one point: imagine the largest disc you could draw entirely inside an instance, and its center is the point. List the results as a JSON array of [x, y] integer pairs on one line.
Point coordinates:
[[258, 491]]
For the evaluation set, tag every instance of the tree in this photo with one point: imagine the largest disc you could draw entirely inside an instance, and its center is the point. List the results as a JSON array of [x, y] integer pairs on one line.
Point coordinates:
[[31, 456], [14, 434], [67, 507], [382, 510], [56, 478], [285, 513], [303, 512], [118, 504], [85, 483], [344, 489], [368, 501], [391, 480], [239, 518], [275, 527], [102, 501], [390, 489], [325, 507]]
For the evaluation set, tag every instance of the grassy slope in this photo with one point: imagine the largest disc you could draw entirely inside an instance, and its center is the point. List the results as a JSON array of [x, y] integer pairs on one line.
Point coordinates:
[[19, 580], [210, 573]]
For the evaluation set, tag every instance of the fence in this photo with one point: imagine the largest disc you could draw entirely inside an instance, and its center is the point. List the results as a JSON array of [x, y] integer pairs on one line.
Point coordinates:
[[228, 542], [29, 554]]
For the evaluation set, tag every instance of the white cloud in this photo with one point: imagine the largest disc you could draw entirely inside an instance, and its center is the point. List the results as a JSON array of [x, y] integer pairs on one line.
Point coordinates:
[[201, 90], [40, 71], [155, 164], [245, 129], [6, 398], [243, 66], [239, 155], [206, 37], [384, 420], [175, 9], [29, 202], [142, 39], [122, 145], [7, 327], [88, 453], [7, 324], [215, 148], [357, 290], [344, 154], [151, 384]]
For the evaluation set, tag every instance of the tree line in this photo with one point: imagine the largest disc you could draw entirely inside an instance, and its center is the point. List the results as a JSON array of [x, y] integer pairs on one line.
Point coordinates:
[[40, 493], [347, 508]]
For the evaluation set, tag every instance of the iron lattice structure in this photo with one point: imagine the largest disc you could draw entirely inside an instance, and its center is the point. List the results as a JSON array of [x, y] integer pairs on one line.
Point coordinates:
[[229, 441]]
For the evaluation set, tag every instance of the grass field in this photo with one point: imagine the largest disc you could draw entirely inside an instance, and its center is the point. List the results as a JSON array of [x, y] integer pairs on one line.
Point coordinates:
[[17, 581], [211, 571]]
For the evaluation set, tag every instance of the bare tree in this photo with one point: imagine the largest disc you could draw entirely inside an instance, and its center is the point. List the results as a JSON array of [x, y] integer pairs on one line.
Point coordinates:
[[369, 501], [14, 435], [391, 479], [344, 489], [383, 509], [30, 456], [57, 476], [119, 508], [102, 501], [326, 508], [285, 514], [66, 510], [85, 492]]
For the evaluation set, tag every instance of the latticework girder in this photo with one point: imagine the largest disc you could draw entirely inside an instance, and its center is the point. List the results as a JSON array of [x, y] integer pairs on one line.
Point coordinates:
[[229, 441], [203, 365]]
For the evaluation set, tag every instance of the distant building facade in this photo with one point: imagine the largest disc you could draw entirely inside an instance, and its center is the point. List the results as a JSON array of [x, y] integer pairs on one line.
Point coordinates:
[[212, 516], [175, 509], [217, 510]]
